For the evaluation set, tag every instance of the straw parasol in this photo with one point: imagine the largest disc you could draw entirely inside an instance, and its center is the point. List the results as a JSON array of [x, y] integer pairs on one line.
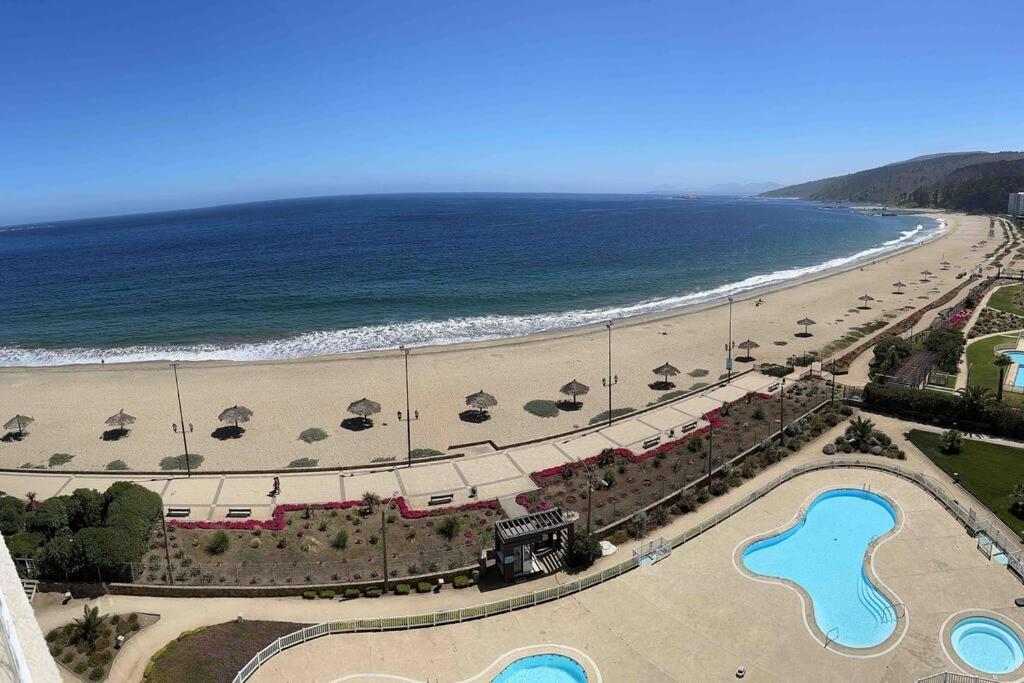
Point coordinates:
[[121, 420], [805, 322], [667, 370], [481, 401], [866, 298], [18, 422], [235, 414], [945, 265], [573, 389], [899, 285], [748, 346], [364, 408], [927, 274]]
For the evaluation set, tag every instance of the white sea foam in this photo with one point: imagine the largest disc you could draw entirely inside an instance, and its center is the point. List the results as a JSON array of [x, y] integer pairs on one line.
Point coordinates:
[[451, 331]]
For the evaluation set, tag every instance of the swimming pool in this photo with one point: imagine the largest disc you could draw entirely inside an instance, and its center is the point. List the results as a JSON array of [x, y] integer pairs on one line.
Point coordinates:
[[987, 645], [546, 668], [823, 553], [1018, 358]]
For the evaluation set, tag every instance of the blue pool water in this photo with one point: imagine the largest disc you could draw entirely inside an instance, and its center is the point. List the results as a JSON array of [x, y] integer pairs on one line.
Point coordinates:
[[543, 669], [1018, 358], [987, 645], [824, 554]]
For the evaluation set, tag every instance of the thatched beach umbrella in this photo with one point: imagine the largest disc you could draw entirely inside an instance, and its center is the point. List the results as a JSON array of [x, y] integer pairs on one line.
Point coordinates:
[[748, 346], [364, 408], [667, 370], [866, 298], [945, 265], [235, 414], [18, 422], [121, 420], [806, 322], [573, 389], [927, 274], [481, 401], [899, 285]]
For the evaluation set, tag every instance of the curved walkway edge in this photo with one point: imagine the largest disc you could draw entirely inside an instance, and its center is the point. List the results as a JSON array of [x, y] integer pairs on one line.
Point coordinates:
[[965, 516]]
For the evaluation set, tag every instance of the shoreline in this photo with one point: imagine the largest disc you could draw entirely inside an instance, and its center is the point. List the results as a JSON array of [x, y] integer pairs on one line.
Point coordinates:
[[942, 231], [71, 403]]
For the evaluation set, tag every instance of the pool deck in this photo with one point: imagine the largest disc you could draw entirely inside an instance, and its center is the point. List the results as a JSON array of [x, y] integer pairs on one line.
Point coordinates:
[[694, 616]]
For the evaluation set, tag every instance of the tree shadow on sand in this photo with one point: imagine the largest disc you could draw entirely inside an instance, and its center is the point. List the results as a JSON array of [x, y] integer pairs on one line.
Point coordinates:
[[114, 434], [356, 424], [474, 416], [228, 432]]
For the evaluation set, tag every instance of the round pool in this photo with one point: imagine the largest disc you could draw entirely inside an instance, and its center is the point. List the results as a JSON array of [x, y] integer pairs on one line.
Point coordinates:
[[546, 668], [987, 645]]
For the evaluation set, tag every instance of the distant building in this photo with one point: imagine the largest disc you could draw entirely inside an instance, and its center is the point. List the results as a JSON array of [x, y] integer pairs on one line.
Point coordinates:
[[1016, 205]]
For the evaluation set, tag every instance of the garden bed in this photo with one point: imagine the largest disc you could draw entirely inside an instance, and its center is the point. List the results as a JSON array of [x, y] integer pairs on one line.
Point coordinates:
[[86, 646], [319, 544], [214, 654]]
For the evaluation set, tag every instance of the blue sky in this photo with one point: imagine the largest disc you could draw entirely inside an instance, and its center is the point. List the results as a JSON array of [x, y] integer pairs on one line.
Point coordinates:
[[110, 108]]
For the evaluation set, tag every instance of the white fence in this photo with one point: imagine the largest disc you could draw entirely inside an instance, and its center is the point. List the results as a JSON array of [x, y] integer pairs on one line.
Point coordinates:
[[966, 516]]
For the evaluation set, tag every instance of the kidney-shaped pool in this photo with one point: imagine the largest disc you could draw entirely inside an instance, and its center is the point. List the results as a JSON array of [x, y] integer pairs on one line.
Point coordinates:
[[824, 553]]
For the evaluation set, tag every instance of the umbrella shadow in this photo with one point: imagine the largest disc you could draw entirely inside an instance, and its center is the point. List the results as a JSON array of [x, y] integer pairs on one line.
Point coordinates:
[[745, 359], [114, 434], [11, 437], [474, 416], [662, 385], [228, 432], [568, 405], [803, 335], [356, 424]]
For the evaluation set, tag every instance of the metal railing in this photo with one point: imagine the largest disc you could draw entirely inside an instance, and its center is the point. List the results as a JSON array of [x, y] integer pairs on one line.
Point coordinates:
[[949, 677], [964, 515]]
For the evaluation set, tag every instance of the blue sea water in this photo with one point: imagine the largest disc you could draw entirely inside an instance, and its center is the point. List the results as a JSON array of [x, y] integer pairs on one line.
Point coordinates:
[[315, 276]]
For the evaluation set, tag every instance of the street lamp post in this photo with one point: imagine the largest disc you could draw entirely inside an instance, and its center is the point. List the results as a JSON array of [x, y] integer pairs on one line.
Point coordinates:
[[711, 437], [611, 380], [728, 347], [181, 415], [782, 408], [384, 535], [410, 415]]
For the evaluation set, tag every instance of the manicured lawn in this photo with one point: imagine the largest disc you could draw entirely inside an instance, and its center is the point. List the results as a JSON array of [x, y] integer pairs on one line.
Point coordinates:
[[982, 370], [989, 471], [1002, 300], [216, 653]]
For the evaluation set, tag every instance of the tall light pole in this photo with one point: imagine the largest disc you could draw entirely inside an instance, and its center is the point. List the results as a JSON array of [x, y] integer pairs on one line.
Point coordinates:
[[384, 534], [711, 437], [728, 347], [181, 415], [611, 380], [782, 407], [410, 416]]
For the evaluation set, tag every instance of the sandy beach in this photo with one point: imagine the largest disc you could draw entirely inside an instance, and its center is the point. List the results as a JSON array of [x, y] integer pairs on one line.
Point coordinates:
[[70, 404]]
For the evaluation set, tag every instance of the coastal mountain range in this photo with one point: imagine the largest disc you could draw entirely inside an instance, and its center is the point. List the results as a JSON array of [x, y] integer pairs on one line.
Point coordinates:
[[974, 182]]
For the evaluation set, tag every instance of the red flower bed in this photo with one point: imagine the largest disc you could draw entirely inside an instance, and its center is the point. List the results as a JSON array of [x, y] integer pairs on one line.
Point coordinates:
[[277, 522]]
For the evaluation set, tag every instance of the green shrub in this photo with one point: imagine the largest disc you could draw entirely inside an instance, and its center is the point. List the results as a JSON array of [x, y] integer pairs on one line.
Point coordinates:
[[373, 592], [24, 544], [81, 667], [340, 540], [58, 459], [951, 441], [424, 587], [351, 593], [303, 462], [585, 549], [450, 527], [462, 581], [541, 408], [218, 543], [403, 589], [117, 465], [718, 487], [177, 462], [327, 594], [309, 595], [96, 674], [312, 435]]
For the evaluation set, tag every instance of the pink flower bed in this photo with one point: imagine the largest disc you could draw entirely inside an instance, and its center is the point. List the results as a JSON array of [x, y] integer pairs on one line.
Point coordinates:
[[277, 523]]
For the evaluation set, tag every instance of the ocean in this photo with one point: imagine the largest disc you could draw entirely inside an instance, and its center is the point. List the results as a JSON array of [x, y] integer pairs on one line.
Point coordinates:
[[293, 278]]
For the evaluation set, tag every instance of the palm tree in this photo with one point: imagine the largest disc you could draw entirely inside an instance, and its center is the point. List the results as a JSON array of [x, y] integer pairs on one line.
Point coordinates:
[[1018, 499], [974, 399], [1002, 362], [87, 629], [370, 501], [859, 433]]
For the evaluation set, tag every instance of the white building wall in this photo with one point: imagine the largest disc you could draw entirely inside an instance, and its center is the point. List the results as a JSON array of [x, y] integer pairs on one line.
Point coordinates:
[[24, 657]]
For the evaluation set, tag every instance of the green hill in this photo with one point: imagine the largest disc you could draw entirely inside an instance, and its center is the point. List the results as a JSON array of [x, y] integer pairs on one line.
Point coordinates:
[[963, 181]]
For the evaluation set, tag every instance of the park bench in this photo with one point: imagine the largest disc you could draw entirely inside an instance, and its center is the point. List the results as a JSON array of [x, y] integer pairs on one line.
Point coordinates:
[[179, 512], [441, 499], [239, 512]]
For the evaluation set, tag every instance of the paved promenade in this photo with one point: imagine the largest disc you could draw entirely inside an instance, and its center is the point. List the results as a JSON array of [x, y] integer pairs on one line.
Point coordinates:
[[494, 474]]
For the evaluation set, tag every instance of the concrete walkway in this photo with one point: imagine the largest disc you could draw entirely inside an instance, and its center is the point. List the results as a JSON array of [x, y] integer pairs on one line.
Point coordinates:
[[493, 474]]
